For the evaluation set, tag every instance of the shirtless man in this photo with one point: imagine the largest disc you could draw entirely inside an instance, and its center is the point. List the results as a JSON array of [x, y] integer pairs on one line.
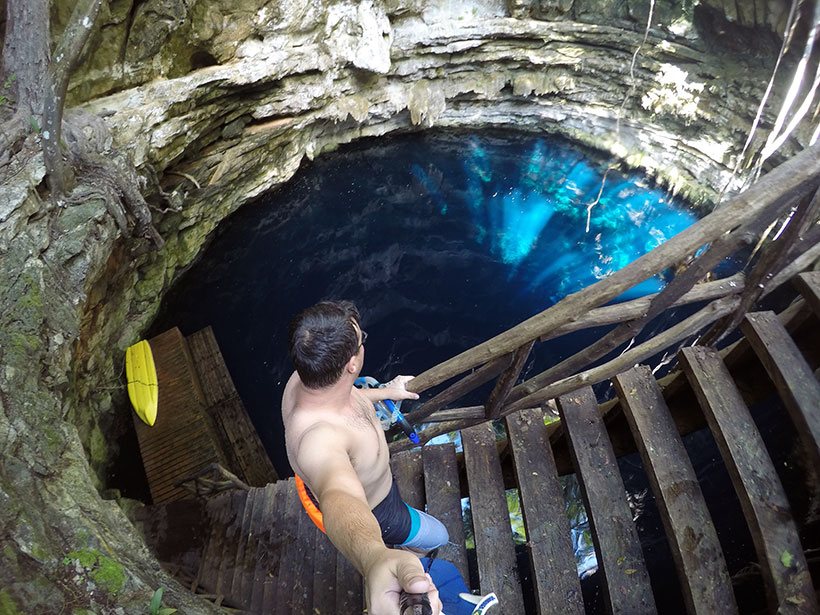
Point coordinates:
[[336, 445]]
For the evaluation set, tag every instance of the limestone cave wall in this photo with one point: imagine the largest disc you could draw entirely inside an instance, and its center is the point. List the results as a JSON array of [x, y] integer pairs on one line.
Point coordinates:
[[218, 102]]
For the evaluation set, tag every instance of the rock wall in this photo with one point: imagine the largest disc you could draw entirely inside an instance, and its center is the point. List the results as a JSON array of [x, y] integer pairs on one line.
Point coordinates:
[[217, 103]]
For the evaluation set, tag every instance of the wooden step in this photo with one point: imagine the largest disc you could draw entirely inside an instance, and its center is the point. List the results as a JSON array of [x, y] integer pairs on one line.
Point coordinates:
[[808, 284], [289, 531], [495, 549], [408, 470], [219, 512], [324, 580], [262, 560], [302, 588], [260, 522], [234, 587], [791, 374], [443, 491], [552, 559], [765, 506], [233, 537], [707, 588], [617, 547], [349, 587], [275, 547]]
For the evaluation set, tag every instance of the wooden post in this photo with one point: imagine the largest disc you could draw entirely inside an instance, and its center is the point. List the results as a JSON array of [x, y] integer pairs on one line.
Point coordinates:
[[505, 383]]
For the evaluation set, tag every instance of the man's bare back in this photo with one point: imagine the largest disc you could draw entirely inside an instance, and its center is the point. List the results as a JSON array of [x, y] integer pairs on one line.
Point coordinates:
[[354, 424]]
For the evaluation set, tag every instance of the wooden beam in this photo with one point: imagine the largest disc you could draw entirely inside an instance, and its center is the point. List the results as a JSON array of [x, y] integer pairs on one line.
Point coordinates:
[[443, 491], [707, 588], [495, 550], [620, 312], [507, 380], [780, 555], [792, 376], [639, 353], [620, 559], [469, 383], [554, 572]]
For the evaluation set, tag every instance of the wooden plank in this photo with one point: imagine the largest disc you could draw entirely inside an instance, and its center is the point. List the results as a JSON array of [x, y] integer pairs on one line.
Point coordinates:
[[495, 550], [234, 584], [262, 527], [808, 283], [244, 450], [554, 571], [290, 555], [275, 547], [302, 588], [441, 486], [214, 377], [324, 580], [408, 470], [765, 506], [349, 587], [707, 588], [217, 510], [620, 559], [251, 555], [230, 545], [794, 379]]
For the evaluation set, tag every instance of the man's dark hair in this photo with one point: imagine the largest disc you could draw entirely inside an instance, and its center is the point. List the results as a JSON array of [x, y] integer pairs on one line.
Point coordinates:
[[322, 340]]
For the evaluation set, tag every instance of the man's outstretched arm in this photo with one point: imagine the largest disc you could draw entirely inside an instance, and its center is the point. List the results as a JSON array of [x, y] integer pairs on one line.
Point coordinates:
[[353, 529], [396, 390]]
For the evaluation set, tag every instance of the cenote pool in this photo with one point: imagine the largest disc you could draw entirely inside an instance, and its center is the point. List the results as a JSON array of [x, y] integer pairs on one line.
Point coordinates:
[[442, 239]]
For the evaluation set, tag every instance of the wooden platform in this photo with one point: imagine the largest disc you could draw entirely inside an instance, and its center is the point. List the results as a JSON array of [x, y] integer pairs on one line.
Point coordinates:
[[200, 419], [263, 555]]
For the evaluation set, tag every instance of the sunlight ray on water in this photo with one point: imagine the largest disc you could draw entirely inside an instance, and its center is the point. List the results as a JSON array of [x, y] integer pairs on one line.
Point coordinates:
[[532, 215]]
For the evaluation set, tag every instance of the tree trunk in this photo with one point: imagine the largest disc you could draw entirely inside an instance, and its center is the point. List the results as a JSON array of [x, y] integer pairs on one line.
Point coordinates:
[[26, 52], [68, 51]]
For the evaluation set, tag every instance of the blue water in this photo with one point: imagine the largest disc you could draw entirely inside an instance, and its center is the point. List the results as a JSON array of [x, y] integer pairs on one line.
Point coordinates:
[[442, 239]]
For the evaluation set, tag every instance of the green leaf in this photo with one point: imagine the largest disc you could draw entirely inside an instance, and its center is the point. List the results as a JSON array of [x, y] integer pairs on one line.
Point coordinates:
[[167, 611], [156, 601], [787, 559]]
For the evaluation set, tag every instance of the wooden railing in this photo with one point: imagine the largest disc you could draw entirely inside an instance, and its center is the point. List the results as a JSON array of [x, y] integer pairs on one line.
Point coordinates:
[[785, 203]]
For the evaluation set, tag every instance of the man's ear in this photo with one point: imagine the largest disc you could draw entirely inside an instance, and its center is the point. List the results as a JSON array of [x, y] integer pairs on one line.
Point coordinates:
[[352, 364]]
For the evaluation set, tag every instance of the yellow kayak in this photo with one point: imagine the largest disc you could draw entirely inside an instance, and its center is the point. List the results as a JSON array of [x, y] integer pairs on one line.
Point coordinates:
[[142, 381]]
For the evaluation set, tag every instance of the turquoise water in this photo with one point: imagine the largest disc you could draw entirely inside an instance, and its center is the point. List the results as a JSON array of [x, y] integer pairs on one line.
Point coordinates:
[[443, 239], [550, 217]]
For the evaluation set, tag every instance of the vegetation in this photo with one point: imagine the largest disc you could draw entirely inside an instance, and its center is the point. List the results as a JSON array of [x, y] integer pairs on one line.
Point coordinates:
[[156, 604]]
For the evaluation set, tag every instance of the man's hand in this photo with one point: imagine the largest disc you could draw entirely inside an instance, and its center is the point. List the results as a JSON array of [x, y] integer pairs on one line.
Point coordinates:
[[388, 573], [398, 388]]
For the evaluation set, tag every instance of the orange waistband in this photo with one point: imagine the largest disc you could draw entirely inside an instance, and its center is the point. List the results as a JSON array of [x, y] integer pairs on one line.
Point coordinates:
[[310, 508]]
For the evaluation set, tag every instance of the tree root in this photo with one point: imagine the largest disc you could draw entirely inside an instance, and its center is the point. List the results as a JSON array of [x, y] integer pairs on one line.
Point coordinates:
[[111, 173], [12, 133]]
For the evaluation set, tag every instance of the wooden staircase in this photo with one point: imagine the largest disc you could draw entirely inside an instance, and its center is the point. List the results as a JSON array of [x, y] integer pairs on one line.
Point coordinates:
[[263, 555]]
